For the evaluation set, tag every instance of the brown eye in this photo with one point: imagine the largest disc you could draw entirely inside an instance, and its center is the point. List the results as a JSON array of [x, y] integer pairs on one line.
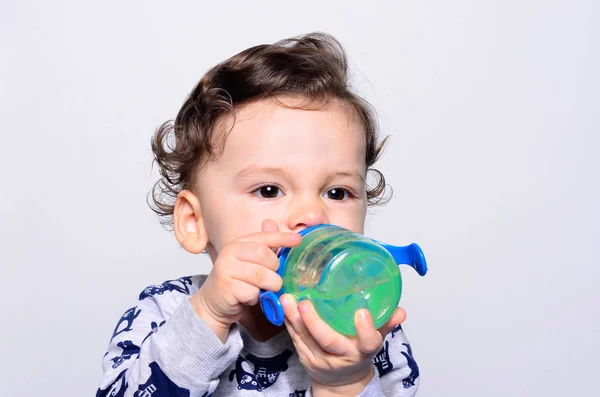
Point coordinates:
[[268, 191], [337, 194]]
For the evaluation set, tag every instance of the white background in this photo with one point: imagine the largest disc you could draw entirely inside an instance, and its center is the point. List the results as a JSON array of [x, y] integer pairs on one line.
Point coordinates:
[[493, 111]]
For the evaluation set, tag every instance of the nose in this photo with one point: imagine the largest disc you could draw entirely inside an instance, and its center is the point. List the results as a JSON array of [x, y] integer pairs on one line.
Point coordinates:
[[306, 212]]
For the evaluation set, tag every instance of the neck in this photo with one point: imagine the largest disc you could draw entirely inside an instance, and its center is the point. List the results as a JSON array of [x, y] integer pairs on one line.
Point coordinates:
[[257, 325]]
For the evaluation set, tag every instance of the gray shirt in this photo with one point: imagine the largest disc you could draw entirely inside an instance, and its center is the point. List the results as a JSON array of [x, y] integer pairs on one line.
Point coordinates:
[[161, 348]]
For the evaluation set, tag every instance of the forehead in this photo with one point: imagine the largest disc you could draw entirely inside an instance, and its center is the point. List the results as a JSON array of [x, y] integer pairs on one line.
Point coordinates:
[[280, 132]]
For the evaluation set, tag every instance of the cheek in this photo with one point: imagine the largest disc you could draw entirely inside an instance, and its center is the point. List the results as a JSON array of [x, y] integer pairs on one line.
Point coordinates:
[[359, 224], [226, 222], [353, 220]]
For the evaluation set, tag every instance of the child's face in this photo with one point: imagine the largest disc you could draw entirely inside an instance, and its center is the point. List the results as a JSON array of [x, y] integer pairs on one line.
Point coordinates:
[[297, 167]]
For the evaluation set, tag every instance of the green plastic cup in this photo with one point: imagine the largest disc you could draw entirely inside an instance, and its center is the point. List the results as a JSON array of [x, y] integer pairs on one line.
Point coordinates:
[[340, 271]]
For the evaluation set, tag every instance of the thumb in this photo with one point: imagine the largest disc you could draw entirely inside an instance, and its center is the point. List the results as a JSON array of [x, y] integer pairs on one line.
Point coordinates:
[[269, 225]]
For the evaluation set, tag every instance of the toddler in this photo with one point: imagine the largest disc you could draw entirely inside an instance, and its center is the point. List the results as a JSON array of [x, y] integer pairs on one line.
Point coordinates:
[[270, 142]]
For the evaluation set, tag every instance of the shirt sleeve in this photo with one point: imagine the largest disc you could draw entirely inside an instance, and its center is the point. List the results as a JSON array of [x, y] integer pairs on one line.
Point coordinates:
[[151, 355], [396, 371]]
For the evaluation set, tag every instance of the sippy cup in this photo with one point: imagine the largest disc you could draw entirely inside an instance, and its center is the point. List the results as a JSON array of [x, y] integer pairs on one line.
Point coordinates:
[[340, 271]]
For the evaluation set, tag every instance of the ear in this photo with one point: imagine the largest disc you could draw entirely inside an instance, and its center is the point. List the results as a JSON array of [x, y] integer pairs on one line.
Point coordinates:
[[188, 223]]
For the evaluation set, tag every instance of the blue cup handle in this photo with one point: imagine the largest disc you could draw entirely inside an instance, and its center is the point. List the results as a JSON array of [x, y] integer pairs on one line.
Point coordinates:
[[411, 255], [271, 307]]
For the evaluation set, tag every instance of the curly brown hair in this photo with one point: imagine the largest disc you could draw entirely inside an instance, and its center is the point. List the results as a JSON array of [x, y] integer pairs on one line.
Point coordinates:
[[313, 67]]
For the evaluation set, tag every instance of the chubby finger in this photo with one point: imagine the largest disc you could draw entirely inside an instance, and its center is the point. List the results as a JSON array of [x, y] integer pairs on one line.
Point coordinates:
[[269, 225], [244, 293], [273, 239], [290, 309], [326, 337], [305, 344], [397, 318], [369, 339], [298, 331], [257, 276], [255, 253]]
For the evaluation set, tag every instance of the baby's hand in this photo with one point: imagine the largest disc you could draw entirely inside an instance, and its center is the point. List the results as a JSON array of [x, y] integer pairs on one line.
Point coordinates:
[[338, 365], [242, 269]]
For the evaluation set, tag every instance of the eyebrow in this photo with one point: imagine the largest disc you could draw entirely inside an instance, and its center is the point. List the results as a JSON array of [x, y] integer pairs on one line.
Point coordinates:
[[254, 169], [349, 174]]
